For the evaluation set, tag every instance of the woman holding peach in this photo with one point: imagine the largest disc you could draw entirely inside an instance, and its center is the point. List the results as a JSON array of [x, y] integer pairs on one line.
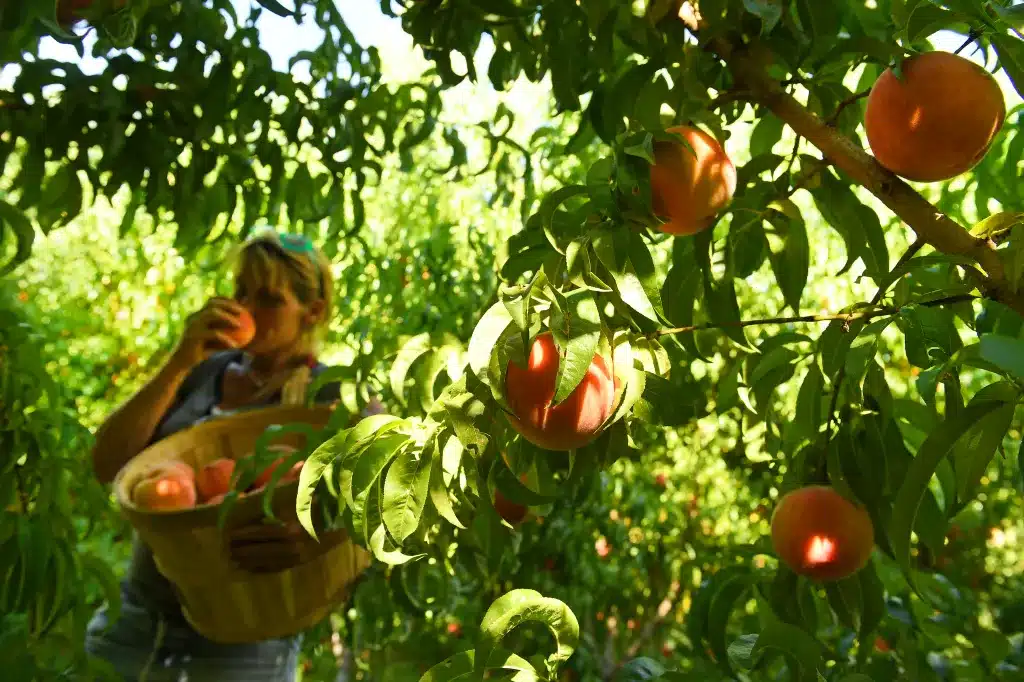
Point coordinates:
[[249, 351]]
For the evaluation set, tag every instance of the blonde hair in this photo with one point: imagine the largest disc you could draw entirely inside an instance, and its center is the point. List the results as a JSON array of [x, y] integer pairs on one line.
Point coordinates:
[[293, 259]]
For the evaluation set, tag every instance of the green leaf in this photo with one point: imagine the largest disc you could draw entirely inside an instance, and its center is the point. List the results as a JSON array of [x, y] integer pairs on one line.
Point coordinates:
[[1013, 15], [926, 19], [520, 606], [975, 449], [809, 409], [647, 108], [665, 403], [439, 494], [454, 668], [576, 336], [643, 149], [846, 600], [747, 246], [722, 306], [629, 261], [1004, 352], [427, 373], [790, 251], [800, 649], [821, 20], [930, 336], [550, 205], [730, 589], [640, 669], [405, 493], [372, 460], [872, 594], [460, 410], [311, 473], [632, 377], [939, 443], [681, 289], [513, 489], [741, 651], [410, 351], [858, 225], [769, 11], [766, 133], [995, 646], [277, 8], [99, 568], [485, 335], [461, 667], [61, 200], [379, 543], [997, 224], [834, 344], [777, 357], [14, 221]]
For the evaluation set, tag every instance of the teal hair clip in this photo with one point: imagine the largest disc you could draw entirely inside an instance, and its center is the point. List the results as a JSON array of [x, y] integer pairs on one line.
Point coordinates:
[[296, 243], [299, 243]]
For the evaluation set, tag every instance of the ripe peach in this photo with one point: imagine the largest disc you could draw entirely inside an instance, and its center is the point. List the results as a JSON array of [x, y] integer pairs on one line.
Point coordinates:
[[242, 335], [512, 512], [574, 422], [215, 478], [171, 467], [937, 120], [690, 187], [293, 475], [165, 492], [820, 534]]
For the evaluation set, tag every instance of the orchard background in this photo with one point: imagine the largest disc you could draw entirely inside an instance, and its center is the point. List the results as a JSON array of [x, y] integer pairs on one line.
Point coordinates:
[[478, 170]]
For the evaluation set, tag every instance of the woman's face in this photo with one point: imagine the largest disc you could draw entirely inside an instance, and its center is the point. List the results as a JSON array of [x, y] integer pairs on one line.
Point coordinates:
[[281, 318]]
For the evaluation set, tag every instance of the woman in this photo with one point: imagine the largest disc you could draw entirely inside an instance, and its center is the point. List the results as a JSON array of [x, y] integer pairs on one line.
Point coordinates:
[[286, 284]]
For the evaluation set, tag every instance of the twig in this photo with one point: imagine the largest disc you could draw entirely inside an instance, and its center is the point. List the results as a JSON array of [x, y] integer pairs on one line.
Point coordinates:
[[848, 317], [972, 35], [792, 157], [840, 376], [910, 253], [831, 121]]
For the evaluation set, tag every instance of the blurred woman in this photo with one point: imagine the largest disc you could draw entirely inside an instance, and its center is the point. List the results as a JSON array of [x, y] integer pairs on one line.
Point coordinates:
[[285, 283]]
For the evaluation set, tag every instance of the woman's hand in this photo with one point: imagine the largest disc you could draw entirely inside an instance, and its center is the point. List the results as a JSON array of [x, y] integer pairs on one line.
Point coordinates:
[[273, 547], [205, 331]]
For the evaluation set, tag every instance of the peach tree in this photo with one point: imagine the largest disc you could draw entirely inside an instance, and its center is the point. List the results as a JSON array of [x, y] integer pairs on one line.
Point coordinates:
[[662, 283], [601, 312]]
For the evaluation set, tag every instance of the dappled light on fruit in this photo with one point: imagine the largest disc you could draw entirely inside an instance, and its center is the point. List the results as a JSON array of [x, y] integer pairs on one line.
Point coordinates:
[[915, 119], [821, 550]]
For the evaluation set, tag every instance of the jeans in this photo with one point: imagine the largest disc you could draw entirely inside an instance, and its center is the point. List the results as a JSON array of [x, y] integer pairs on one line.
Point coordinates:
[[143, 646]]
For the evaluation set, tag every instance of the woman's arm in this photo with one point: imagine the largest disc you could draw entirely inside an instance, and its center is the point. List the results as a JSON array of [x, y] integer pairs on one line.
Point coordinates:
[[129, 429]]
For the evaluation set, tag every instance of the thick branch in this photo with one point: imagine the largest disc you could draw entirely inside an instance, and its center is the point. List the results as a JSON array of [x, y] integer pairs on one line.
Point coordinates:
[[930, 224]]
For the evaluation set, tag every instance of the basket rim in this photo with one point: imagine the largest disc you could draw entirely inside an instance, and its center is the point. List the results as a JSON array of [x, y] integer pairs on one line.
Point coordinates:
[[213, 425]]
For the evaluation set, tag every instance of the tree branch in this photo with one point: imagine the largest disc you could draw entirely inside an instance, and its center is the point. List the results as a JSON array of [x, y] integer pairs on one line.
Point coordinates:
[[848, 317], [930, 224]]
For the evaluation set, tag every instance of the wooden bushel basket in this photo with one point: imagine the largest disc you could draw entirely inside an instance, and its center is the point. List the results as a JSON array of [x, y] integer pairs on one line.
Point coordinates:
[[222, 602]]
